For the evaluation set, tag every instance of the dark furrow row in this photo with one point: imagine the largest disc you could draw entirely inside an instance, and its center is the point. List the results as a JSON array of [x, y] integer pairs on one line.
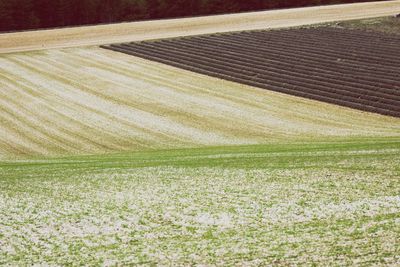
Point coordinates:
[[287, 54], [344, 67], [272, 78], [346, 34], [272, 64], [299, 53], [268, 74], [283, 64], [356, 35], [325, 47], [351, 40]]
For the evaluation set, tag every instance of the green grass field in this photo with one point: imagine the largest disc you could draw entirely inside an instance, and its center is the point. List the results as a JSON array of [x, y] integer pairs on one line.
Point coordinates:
[[324, 203]]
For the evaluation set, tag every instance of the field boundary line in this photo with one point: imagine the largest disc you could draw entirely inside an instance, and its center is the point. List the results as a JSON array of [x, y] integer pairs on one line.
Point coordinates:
[[158, 29]]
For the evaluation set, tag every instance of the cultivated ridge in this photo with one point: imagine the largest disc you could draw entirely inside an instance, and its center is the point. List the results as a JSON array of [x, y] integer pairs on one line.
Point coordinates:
[[350, 68]]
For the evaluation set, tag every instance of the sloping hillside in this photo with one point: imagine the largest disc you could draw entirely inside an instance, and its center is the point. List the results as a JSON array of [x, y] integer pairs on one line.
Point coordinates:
[[90, 100]]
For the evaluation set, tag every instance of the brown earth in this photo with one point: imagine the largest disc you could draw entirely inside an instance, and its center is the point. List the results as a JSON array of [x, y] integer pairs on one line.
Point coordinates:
[[350, 68]]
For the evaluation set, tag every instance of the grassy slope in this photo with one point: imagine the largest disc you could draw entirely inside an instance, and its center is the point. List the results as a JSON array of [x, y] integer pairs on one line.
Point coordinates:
[[327, 203], [89, 100]]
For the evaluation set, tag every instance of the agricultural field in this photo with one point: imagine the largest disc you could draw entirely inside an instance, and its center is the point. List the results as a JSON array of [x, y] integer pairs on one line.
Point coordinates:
[[279, 179], [92, 100], [109, 159], [324, 203], [322, 63]]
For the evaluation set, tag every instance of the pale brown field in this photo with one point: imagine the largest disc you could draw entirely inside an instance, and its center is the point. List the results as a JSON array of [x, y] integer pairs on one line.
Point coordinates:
[[91, 100]]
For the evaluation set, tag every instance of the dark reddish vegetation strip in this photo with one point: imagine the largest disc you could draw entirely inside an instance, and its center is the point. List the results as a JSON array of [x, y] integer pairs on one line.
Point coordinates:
[[17, 15], [350, 68]]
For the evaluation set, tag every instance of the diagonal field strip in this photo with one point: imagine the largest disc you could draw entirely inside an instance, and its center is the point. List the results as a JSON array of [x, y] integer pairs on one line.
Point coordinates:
[[146, 30], [92, 100], [346, 67]]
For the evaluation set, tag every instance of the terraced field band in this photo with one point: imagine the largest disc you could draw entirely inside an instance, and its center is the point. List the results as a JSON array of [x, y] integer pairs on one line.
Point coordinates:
[[350, 68]]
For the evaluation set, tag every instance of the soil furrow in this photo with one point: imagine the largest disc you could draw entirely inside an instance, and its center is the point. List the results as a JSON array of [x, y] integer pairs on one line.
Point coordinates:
[[325, 64]]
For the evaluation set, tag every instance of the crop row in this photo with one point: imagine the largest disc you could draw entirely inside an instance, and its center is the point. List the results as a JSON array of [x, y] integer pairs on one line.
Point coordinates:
[[345, 67]]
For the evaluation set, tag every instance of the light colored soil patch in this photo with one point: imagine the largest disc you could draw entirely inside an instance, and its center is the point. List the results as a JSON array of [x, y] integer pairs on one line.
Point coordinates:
[[90, 100], [124, 32]]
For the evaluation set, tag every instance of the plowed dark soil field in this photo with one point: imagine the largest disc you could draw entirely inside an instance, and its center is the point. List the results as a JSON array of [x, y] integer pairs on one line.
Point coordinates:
[[350, 68]]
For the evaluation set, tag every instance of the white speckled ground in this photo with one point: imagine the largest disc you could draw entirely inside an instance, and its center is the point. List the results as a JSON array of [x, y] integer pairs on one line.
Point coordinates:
[[327, 204]]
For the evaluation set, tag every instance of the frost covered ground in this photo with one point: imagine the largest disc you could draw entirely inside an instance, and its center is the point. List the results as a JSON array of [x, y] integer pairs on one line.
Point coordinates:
[[324, 203]]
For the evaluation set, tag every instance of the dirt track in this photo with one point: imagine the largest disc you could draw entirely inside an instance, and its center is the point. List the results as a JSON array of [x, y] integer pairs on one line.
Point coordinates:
[[115, 33]]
